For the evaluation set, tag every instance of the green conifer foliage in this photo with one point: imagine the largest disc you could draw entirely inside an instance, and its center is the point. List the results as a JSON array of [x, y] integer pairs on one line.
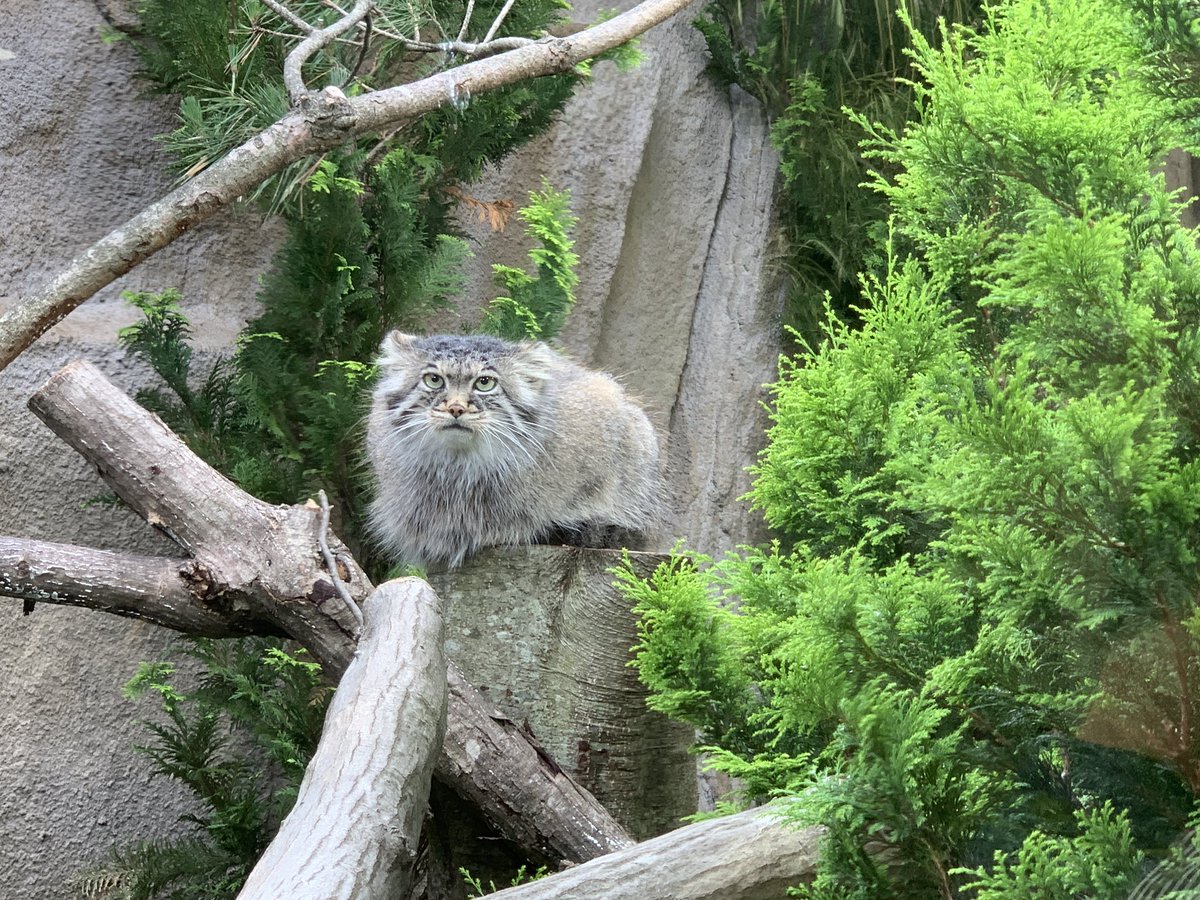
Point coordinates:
[[976, 642], [239, 739], [536, 306]]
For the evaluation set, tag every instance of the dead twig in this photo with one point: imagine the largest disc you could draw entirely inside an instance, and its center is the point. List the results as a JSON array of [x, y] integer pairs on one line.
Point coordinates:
[[500, 17], [331, 563], [293, 78]]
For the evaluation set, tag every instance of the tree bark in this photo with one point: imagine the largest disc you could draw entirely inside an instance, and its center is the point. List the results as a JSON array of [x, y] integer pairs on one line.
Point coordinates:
[[752, 855], [151, 588], [494, 756], [557, 611], [258, 568], [354, 830], [322, 121], [250, 558]]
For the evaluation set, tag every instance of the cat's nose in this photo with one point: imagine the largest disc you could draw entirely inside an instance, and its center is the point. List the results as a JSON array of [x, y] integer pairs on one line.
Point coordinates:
[[455, 409]]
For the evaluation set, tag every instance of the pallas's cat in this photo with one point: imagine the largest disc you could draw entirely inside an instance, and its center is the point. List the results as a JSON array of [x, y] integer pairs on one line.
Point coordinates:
[[475, 441]]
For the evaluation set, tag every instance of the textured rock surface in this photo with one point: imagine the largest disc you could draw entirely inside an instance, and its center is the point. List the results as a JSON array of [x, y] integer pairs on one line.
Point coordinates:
[[76, 158], [671, 179]]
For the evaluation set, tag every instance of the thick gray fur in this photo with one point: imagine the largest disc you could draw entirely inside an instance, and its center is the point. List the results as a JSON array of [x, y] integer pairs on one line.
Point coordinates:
[[477, 442]]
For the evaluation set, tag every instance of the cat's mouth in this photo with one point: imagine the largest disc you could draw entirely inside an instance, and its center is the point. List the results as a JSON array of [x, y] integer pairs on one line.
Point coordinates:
[[455, 425]]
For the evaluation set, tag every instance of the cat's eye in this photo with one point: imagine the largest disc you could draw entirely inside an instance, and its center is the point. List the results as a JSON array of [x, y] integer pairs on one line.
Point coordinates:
[[432, 380], [485, 383]]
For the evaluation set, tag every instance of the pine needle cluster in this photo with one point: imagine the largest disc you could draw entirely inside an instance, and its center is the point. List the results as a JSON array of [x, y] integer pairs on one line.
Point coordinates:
[[975, 646]]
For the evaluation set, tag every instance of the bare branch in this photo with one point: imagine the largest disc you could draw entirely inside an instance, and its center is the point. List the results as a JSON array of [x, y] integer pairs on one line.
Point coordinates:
[[469, 49], [417, 22], [475, 51], [293, 78], [248, 555], [153, 589], [500, 17], [391, 34], [322, 123], [363, 49], [466, 22], [290, 36], [480, 753]]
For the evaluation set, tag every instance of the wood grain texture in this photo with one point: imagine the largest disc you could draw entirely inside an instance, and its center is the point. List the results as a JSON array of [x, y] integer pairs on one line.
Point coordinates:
[[353, 832]]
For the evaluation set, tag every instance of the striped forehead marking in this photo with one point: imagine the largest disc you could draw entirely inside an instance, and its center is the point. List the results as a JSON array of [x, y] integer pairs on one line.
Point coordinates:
[[476, 348]]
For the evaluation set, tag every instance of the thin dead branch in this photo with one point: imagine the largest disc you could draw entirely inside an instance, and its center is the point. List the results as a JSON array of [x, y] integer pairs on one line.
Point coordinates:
[[293, 77], [499, 20], [466, 22], [331, 563]]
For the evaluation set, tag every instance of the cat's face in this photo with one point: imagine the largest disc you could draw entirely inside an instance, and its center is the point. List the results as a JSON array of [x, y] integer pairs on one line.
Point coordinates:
[[463, 393]]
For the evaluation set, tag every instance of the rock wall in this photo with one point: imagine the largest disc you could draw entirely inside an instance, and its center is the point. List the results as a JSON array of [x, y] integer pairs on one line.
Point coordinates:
[[672, 182]]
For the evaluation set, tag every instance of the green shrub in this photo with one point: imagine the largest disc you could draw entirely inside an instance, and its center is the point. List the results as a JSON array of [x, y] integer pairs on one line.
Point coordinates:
[[974, 644]]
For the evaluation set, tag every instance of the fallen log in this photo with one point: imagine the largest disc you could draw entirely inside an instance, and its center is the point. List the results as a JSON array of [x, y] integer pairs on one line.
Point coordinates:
[[754, 855], [354, 830]]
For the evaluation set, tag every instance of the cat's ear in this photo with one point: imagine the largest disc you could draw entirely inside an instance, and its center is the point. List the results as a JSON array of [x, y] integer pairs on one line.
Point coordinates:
[[398, 349], [537, 359]]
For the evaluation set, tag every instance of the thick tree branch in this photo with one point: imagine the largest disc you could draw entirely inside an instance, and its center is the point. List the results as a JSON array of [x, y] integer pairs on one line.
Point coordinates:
[[254, 563], [491, 761], [245, 551], [354, 830], [466, 22], [748, 856], [290, 17], [150, 588], [323, 121]]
